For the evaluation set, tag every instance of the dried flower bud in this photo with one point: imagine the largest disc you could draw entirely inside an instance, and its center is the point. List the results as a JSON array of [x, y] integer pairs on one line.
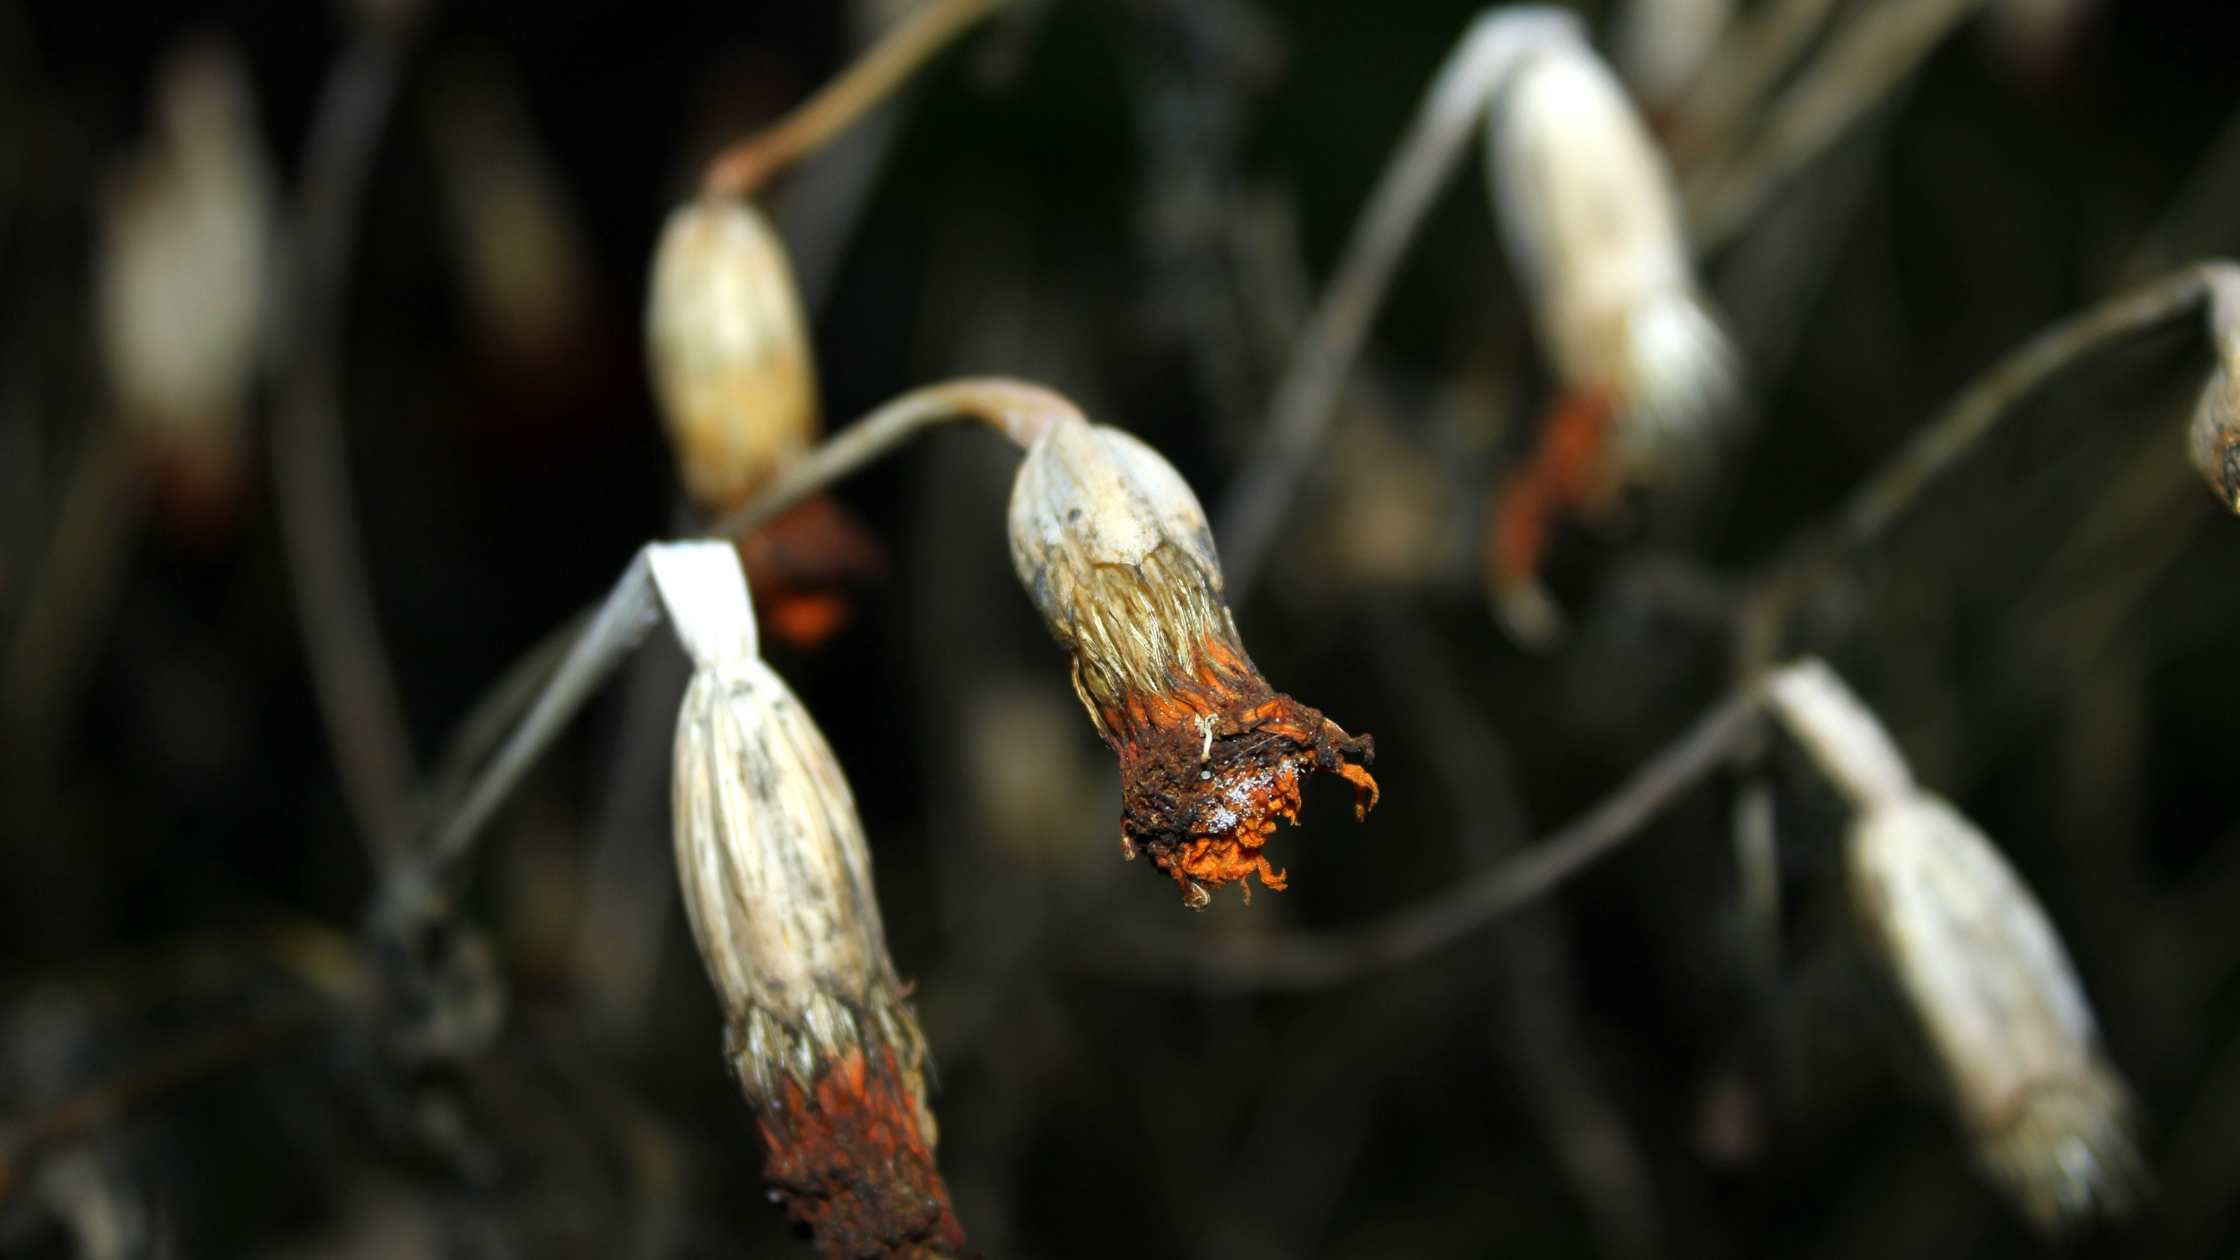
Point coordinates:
[[1663, 44], [777, 883], [1114, 549], [186, 239], [1592, 222], [1979, 963], [2215, 436], [1994, 991], [729, 349]]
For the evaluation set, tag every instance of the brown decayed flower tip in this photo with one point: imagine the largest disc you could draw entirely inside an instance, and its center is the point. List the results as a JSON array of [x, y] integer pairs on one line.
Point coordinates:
[[1114, 549], [2215, 435], [855, 1166], [1566, 476]]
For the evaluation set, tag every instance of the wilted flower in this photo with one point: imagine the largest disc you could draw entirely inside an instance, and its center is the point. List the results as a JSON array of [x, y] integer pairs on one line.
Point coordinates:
[[2215, 436], [777, 883], [186, 238], [729, 349], [1981, 966], [1115, 551], [1587, 206]]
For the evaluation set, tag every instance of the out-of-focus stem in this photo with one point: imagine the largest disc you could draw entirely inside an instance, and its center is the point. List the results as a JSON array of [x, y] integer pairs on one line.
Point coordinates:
[[585, 658], [1324, 355], [742, 169], [1867, 58], [317, 508], [1302, 960], [1956, 431], [1757, 52]]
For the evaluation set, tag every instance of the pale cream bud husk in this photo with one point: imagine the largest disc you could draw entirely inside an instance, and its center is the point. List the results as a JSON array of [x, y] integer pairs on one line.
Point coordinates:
[[1588, 209], [1994, 991], [186, 238], [729, 349], [1115, 551]]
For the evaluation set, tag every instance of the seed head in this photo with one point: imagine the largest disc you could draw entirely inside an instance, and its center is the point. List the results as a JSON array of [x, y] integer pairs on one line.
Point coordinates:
[[777, 883], [1593, 227], [1115, 552], [729, 351], [1994, 992], [186, 238]]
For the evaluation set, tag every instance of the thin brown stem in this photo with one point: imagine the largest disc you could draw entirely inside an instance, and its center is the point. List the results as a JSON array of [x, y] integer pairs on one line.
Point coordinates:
[[742, 169], [1301, 960], [1956, 431], [546, 691], [189, 1059]]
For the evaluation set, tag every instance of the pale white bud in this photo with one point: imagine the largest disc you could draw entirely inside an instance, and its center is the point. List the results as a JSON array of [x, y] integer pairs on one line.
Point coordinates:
[[1114, 550], [185, 241], [776, 878], [1986, 975], [1978, 962], [1592, 221], [729, 350]]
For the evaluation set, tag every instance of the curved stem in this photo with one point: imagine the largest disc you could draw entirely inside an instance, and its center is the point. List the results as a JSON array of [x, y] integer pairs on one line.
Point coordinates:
[[1324, 355], [1954, 432], [564, 671], [317, 508], [1301, 960], [742, 169]]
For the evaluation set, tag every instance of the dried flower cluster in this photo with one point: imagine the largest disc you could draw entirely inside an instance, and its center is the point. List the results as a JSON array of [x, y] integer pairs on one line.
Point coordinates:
[[1979, 963], [1115, 551], [186, 239], [2215, 435], [777, 882]]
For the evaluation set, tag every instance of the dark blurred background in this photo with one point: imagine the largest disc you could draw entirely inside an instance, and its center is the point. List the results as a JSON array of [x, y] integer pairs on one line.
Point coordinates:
[[1135, 201]]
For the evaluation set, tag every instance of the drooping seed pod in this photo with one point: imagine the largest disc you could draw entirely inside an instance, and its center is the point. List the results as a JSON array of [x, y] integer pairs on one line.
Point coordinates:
[[2215, 435], [777, 884], [729, 350], [2000, 1004], [1116, 554], [1977, 960], [186, 239], [1593, 228]]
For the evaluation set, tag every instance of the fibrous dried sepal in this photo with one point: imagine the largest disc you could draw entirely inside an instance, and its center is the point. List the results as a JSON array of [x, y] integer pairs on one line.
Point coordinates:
[[776, 877], [1115, 551], [1993, 990]]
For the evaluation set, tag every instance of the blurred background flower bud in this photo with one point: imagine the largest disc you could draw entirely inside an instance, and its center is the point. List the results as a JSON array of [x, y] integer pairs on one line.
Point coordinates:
[[1978, 962], [1592, 222], [729, 350], [2215, 436], [1993, 989], [1115, 551], [185, 251], [776, 878], [1662, 45]]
